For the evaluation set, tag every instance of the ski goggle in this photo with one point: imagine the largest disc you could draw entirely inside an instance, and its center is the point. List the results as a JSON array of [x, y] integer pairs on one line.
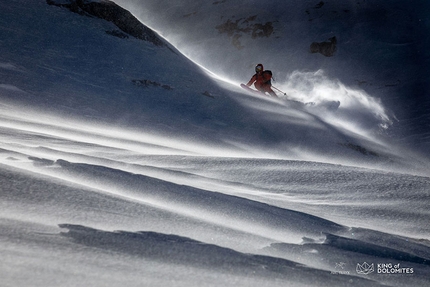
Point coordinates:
[[258, 69]]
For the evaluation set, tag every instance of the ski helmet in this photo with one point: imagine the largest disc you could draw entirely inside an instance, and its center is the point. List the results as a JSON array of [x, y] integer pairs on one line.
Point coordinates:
[[259, 68]]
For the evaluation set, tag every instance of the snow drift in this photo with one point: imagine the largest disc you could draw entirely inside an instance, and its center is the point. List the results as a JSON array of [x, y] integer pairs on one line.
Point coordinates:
[[122, 162]]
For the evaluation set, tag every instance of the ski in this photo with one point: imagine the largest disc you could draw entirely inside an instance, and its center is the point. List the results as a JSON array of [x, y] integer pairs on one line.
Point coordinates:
[[252, 90]]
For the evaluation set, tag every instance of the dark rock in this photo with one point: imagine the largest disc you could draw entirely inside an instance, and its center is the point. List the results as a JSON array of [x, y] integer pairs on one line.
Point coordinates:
[[111, 12], [245, 26], [148, 83], [319, 5], [325, 48], [208, 94]]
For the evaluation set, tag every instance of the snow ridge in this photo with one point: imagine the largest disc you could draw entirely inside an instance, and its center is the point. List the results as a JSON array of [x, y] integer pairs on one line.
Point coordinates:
[[122, 163]]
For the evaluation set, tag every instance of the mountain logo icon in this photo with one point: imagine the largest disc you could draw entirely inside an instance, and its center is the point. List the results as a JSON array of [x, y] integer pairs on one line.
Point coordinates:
[[340, 265], [365, 268]]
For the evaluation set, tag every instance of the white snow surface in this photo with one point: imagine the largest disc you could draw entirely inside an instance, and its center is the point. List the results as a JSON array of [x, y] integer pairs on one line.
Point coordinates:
[[123, 163]]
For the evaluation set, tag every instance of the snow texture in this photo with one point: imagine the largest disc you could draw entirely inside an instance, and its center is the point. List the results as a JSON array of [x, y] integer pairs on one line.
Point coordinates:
[[137, 160]]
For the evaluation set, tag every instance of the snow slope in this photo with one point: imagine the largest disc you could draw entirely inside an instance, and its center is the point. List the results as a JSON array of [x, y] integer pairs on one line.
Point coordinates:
[[124, 163], [381, 50]]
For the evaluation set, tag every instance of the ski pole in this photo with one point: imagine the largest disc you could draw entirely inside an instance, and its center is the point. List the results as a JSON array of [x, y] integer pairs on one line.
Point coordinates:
[[279, 90]]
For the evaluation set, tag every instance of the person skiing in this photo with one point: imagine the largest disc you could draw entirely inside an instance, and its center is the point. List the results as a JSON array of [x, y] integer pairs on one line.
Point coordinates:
[[262, 80]]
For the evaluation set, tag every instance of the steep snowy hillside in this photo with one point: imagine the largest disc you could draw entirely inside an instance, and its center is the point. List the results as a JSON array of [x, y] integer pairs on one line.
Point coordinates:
[[123, 163], [157, 90], [377, 47]]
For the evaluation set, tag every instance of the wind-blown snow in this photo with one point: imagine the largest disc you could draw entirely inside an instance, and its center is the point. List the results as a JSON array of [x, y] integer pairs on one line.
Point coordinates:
[[125, 163], [381, 53]]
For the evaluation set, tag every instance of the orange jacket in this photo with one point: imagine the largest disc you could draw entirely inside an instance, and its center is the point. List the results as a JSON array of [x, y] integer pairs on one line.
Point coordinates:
[[260, 79], [262, 82]]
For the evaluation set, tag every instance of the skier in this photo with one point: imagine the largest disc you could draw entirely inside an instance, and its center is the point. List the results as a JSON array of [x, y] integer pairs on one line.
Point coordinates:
[[262, 80]]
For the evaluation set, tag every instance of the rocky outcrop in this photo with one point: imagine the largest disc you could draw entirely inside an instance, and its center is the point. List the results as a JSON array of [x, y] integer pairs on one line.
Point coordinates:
[[326, 48], [111, 12], [148, 83], [245, 26]]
